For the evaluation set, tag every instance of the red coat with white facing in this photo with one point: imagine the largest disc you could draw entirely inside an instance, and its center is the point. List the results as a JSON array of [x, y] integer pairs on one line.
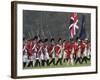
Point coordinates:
[[50, 49], [45, 48], [75, 46], [29, 48], [58, 49], [68, 49], [34, 48]]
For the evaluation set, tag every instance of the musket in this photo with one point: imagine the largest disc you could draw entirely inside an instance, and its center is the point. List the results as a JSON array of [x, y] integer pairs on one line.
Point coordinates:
[[32, 33], [41, 26], [49, 32], [29, 34], [37, 24]]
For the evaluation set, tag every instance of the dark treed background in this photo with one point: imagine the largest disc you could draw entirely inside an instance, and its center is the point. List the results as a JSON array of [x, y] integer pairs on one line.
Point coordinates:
[[51, 24]]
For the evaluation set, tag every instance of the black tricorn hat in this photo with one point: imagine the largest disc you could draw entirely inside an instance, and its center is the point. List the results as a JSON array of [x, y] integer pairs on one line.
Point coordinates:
[[35, 37], [59, 39], [40, 41], [52, 39], [45, 40]]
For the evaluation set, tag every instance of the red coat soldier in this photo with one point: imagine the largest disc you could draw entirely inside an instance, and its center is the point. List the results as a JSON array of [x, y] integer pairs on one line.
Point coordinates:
[[52, 51], [75, 46], [29, 48], [68, 49], [58, 50], [30, 52]]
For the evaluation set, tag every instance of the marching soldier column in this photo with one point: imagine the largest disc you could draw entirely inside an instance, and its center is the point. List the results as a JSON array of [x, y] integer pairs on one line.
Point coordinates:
[[38, 52]]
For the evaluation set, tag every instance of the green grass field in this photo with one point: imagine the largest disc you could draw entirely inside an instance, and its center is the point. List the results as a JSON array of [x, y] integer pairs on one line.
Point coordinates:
[[61, 66]]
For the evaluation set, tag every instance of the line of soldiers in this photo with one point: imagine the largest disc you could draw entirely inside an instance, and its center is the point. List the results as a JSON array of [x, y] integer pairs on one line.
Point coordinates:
[[38, 52]]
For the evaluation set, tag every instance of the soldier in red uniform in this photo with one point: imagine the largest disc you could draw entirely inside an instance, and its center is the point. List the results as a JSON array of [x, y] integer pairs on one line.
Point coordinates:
[[25, 55], [75, 46], [59, 52], [85, 51], [46, 52], [30, 51], [68, 51], [72, 52], [42, 53], [52, 51], [34, 50], [38, 53], [79, 52], [64, 50]]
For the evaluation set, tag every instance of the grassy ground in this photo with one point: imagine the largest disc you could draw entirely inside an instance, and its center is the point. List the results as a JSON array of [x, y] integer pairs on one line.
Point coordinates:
[[61, 66]]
